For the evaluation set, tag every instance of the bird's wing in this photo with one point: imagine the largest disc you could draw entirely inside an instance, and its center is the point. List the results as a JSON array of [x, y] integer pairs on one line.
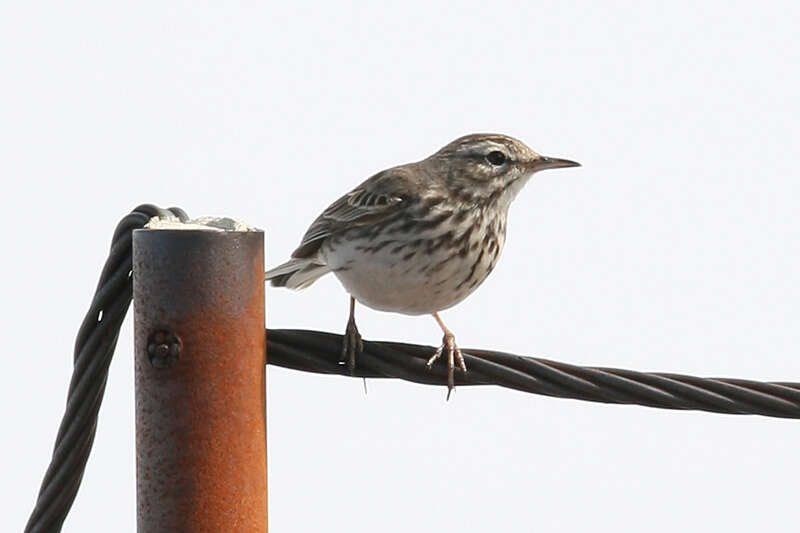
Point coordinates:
[[377, 198]]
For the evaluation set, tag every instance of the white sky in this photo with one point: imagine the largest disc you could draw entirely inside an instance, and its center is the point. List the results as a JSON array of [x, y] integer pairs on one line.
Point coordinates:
[[674, 248]]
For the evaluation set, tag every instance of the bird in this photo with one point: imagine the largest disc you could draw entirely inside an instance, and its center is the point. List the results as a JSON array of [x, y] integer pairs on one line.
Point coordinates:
[[418, 238]]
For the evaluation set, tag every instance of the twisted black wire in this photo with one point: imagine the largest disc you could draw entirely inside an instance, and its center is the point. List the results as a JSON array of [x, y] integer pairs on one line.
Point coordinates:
[[314, 351], [94, 346], [319, 352]]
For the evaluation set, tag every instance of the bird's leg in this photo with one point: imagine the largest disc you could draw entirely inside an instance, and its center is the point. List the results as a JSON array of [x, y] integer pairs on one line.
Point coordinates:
[[352, 344], [453, 355]]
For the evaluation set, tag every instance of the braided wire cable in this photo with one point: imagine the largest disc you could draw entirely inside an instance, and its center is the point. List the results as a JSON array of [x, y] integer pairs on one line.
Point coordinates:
[[319, 352], [94, 346], [315, 351]]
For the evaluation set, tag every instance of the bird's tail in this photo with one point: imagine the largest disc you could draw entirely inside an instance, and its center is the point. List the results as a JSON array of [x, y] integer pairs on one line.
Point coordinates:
[[296, 273]]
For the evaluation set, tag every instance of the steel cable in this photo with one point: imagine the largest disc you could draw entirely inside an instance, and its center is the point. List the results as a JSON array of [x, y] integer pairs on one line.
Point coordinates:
[[94, 346], [319, 352], [315, 351]]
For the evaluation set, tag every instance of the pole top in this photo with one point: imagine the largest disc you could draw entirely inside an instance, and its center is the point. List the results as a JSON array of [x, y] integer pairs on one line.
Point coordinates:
[[206, 223]]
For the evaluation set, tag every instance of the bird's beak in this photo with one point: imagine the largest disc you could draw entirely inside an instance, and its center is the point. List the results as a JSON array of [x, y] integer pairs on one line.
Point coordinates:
[[543, 163]]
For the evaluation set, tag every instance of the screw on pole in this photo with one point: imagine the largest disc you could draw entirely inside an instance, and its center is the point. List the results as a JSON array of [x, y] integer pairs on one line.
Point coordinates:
[[200, 383], [163, 348]]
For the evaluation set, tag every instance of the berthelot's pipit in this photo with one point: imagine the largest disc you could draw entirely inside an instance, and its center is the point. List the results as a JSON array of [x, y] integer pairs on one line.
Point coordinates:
[[418, 238]]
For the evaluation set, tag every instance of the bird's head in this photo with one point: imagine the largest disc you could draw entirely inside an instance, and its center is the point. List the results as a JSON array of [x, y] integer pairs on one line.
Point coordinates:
[[491, 163]]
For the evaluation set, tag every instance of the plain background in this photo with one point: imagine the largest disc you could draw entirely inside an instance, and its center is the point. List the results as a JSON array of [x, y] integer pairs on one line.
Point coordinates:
[[674, 248]]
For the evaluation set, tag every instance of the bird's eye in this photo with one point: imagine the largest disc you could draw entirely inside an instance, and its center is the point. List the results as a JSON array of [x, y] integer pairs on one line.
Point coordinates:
[[496, 158]]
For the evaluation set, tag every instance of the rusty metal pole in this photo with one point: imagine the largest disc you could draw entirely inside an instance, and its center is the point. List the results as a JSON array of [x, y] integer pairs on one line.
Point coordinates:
[[200, 384]]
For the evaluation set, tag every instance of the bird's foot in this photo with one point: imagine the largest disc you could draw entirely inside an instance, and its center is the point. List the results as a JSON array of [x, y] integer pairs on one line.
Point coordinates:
[[352, 345], [454, 356]]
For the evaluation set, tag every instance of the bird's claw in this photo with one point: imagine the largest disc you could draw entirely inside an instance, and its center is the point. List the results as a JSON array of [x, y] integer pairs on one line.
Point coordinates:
[[352, 345], [454, 357]]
